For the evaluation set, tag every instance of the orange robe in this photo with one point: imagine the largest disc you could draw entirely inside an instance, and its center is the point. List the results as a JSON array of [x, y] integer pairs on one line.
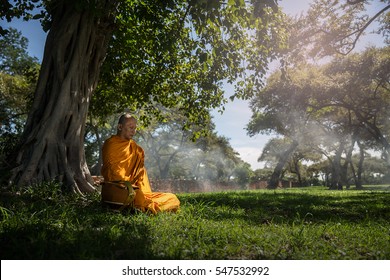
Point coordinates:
[[123, 160]]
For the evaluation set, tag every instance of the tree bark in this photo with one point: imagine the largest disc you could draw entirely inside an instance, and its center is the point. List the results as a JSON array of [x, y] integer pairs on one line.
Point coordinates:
[[52, 146]]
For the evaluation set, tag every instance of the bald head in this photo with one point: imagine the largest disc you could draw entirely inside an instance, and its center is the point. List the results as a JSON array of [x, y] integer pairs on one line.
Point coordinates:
[[127, 126], [125, 117]]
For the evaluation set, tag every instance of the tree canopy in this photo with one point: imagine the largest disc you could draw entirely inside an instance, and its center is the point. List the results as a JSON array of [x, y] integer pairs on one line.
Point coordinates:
[[335, 27], [179, 54], [156, 54]]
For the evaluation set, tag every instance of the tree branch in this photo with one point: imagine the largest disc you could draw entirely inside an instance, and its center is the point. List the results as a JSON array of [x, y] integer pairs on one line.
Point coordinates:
[[360, 31]]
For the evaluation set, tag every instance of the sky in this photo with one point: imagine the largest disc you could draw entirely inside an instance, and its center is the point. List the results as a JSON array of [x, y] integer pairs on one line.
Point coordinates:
[[237, 114]]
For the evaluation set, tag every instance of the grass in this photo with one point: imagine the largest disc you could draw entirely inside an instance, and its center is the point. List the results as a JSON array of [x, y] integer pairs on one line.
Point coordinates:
[[312, 223]]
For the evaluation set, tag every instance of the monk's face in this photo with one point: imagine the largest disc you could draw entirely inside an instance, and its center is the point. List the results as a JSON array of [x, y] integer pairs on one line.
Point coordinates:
[[128, 129]]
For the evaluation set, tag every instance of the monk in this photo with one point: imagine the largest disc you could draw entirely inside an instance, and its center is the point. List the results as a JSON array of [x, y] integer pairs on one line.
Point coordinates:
[[123, 160]]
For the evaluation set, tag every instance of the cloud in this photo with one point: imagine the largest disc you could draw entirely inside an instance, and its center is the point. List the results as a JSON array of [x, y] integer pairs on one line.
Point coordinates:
[[250, 155]]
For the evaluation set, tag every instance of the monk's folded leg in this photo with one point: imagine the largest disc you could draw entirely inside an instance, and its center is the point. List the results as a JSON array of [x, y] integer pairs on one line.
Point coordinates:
[[165, 201], [156, 202]]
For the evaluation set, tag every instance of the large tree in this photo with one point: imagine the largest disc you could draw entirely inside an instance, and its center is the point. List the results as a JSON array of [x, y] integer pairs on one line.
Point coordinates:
[[360, 85], [328, 107], [222, 38], [281, 109], [52, 143]]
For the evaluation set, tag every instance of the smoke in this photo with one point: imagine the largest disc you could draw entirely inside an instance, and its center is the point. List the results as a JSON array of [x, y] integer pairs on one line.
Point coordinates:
[[175, 156]]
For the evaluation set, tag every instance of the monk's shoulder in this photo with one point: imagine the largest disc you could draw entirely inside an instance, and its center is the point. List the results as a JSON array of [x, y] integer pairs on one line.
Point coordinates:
[[109, 140], [138, 147], [114, 142]]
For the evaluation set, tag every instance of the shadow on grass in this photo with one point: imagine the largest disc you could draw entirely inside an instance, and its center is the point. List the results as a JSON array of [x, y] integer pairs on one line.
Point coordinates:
[[41, 241], [35, 226], [54, 229], [288, 207]]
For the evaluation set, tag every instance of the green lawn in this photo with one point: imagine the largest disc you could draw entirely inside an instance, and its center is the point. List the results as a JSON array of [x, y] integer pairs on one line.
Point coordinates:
[[311, 223]]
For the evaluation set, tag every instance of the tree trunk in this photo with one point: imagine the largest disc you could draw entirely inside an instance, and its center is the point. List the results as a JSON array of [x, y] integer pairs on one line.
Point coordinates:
[[377, 133], [298, 172], [296, 169], [348, 162], [278, 171], [336, 181], [359, 184], [52, 146]]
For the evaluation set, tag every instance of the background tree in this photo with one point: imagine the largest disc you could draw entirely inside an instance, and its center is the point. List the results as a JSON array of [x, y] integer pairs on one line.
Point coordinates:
[[375, 171], [243, 174], [335, 27], [219, 160], [96, 132], [168, 146], [329, 28], [300, 161], [214, 37], [360, 84], [328, 107], [18, 77], [281, 108], [277, 153], [172, 153]]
